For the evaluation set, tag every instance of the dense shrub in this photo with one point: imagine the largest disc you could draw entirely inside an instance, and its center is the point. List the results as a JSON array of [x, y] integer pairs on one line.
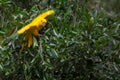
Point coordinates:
[[79, 42]]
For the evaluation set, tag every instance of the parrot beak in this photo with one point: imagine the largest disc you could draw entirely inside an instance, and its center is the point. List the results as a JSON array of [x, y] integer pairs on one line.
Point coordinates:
[[43, 24]]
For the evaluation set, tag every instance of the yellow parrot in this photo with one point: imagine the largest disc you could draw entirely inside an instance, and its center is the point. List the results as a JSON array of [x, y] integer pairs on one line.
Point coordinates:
[[32, 29]]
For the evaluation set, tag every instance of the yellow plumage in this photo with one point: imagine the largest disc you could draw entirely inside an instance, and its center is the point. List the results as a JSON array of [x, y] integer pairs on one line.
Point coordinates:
[[32, 29]]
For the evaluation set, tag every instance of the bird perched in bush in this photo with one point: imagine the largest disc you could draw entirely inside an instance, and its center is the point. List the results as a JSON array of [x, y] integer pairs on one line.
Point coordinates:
[[33, 28]]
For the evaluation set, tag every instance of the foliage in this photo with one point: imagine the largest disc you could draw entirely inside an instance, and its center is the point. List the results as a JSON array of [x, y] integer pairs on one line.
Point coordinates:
[[78, 43]]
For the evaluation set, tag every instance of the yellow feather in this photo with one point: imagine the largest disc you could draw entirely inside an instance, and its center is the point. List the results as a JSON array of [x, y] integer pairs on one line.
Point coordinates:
[[32, 29]]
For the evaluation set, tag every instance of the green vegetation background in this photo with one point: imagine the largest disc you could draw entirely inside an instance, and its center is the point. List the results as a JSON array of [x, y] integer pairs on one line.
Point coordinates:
[[80, 42]]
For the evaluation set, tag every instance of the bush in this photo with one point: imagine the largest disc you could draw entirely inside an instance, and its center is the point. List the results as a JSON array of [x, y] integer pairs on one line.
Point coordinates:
[[78, 42]]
